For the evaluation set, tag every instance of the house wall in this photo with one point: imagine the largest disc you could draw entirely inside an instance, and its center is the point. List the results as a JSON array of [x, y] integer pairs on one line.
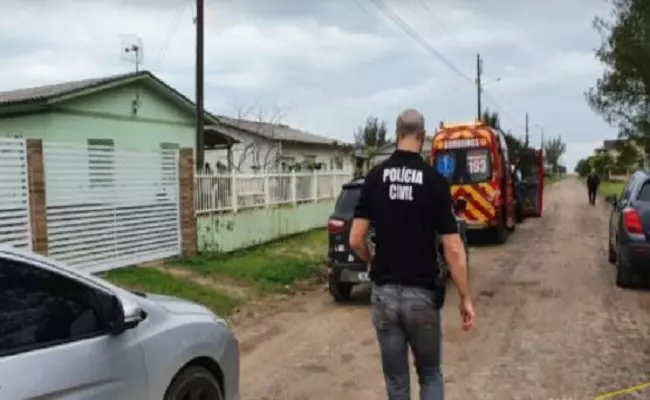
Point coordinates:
[[223, 233], [252, 150], [323, 155], [107, 115]]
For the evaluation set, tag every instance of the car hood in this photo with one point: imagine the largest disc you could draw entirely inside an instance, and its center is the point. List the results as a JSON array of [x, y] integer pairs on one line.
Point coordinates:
[[178, 306]]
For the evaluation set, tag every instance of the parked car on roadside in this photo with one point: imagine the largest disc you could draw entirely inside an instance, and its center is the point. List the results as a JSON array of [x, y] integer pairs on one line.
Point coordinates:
[[629, 229], [346, 269], [66, 334]]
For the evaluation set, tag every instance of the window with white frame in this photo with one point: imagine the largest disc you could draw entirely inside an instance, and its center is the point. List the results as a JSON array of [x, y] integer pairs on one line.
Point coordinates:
[[101, 163]]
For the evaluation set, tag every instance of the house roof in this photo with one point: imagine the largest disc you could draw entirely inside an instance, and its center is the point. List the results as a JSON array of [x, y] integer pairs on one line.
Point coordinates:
[[50, 94], [612, 144], [278, 132]]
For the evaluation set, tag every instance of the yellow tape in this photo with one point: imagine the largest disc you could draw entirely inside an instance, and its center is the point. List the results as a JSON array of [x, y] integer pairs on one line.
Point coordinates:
[[609, 395]]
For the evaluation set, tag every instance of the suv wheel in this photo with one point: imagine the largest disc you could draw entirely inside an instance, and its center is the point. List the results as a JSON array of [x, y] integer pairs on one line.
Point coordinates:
[[194, 382], [611, 254], [340, 291], [624, 277]]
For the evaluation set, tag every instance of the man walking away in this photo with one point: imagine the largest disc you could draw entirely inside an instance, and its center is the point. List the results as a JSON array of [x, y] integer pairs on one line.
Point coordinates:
[[593, 181], [409, 203]]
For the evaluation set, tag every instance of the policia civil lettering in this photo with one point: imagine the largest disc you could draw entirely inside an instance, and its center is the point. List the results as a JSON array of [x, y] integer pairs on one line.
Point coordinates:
[[401, 182]]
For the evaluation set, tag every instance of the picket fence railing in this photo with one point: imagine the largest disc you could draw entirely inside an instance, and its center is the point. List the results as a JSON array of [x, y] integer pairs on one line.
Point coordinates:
[[234, 192]]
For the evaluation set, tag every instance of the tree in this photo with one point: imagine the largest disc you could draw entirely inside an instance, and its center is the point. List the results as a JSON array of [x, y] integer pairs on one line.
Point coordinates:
[[602, 163], [553, 150], [491, 118], [628, 156], [622, 94], [370, 137], [583, 167], [372, 134]]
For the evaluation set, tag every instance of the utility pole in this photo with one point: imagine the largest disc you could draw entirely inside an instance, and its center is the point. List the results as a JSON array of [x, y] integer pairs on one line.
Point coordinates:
[[526, 139], [199, 85], [479, 72]]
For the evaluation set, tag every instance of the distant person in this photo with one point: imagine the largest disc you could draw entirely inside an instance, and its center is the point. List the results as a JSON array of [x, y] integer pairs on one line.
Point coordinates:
[[593, 181], [409, 203]]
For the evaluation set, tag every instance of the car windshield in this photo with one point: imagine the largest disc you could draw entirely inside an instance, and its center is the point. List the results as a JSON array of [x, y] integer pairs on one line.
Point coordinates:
[[347, 201], [461, 166], [644, 193]]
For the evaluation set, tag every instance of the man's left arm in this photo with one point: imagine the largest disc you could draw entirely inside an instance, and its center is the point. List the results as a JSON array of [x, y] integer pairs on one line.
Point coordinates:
[[363, 214]]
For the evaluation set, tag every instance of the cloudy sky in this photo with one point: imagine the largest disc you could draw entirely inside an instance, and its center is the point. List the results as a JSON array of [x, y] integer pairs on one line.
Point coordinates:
[[324, 66]]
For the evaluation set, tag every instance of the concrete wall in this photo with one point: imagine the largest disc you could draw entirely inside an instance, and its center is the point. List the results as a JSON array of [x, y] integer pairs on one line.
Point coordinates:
[[227, 232], [107, 115]]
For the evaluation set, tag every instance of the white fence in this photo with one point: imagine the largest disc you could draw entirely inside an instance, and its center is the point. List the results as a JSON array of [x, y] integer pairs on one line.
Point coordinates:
[[234, 192], [111, 208], [14, 194]]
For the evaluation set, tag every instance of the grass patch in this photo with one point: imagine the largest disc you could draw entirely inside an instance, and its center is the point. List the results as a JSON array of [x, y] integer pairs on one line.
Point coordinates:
[[608, 188], [268, 267], [154, 281], [552, 179]]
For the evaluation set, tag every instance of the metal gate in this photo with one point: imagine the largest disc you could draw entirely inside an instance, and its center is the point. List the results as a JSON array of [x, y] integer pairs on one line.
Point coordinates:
[[14, 194], [109, 208]]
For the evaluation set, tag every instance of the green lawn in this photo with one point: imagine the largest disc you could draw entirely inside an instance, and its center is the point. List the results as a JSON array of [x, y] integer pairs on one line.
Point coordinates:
[[152, 280], [551, 180], [269, 266], [608, 188], [219, 281]]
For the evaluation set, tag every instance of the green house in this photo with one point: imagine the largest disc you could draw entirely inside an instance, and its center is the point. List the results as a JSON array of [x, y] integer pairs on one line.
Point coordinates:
[[135, 111]]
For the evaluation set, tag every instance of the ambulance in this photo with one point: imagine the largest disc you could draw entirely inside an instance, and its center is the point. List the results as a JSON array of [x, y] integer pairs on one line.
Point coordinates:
[[474, 158]]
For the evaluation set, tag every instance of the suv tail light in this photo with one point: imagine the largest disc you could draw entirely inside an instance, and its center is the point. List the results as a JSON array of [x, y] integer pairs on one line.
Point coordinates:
[[632, 221], [335, 225]]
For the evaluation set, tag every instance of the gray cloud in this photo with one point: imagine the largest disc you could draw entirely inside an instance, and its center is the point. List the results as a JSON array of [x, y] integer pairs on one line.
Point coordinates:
[[332, 62]]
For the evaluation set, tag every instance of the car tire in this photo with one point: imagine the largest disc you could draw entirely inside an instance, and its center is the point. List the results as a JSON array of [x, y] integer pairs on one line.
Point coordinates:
[[624, 277], [501, 231], [611, 254], [197, 379], [340, 291]]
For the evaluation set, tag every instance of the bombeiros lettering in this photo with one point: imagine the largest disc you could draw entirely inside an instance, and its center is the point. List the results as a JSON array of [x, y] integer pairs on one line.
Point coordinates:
[[401, 181]]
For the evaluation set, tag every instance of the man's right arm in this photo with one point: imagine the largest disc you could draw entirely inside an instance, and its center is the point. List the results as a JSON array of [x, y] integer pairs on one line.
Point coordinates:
[[452, 243]]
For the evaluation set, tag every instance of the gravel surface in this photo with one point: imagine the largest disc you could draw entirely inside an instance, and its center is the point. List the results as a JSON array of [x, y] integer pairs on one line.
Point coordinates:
[[551, 324]]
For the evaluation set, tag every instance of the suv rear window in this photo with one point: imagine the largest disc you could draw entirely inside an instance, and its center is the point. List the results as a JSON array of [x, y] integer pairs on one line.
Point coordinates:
[[644, 193], [347, 201]]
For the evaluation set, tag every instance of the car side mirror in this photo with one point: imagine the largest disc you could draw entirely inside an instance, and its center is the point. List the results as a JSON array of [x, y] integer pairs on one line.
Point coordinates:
[[125, 315], [461, 204], [611, 199]]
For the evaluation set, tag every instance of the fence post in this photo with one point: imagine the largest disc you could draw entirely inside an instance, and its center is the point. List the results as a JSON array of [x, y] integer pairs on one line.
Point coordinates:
[[314, 183], [37, 195], [188, 228], [233, 191], [334, 185], [294, 189], [267, 191]]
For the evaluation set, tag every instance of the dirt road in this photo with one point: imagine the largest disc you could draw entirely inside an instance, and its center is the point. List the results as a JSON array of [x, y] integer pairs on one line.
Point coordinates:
[[551, 325]]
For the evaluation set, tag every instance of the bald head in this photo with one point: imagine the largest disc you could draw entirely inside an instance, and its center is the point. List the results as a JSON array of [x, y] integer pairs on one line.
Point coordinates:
[[410, 122]]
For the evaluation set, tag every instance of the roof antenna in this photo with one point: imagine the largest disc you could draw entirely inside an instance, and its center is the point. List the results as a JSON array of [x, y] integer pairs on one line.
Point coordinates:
[[131, 51]]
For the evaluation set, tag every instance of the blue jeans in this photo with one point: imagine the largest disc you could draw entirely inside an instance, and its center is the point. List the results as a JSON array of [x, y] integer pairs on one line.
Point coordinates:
[[405, 317]]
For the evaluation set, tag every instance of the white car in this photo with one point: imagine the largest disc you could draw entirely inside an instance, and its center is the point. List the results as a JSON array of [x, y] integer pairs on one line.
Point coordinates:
[[65, 334]]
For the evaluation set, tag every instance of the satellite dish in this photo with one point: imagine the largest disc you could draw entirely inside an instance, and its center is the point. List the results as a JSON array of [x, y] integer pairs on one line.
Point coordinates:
[[131, 49]]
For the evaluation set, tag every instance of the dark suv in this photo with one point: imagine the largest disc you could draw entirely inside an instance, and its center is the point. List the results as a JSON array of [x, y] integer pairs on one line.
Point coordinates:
[[346, 268], [629, 229]]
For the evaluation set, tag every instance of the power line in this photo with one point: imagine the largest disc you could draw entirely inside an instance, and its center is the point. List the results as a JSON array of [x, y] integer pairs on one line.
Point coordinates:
[[178, 13], [419, 39]]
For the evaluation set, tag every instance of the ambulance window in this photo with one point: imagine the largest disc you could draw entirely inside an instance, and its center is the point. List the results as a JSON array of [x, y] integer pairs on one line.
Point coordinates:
[[478, 165]]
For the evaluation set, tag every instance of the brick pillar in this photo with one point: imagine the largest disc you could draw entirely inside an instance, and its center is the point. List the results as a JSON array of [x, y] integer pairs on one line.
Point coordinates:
[[37, 203], [188, 213]]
